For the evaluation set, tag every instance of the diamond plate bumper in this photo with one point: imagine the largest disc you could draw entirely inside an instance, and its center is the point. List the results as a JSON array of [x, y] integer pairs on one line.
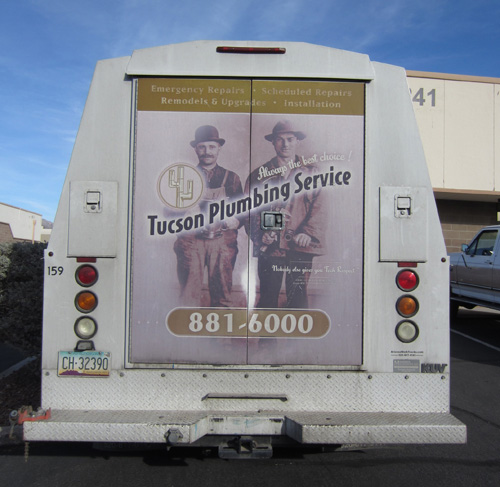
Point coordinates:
[[184, 428]]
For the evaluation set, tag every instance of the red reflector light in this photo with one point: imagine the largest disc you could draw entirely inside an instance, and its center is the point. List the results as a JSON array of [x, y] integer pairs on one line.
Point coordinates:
[[86, 275], [407, 264], [407, 280], [251, 50], [86, 259]]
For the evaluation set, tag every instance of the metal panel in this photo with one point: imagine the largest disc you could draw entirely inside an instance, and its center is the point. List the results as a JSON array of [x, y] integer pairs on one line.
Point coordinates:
[[301, 60], [198, 267], [116, 426], [184, 390], [378, 428], [188, 427], [325, 145], [403, 224], [93, 208]]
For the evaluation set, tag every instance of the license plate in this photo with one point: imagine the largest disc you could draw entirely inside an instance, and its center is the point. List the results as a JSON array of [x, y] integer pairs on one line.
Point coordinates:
[[84, 364]]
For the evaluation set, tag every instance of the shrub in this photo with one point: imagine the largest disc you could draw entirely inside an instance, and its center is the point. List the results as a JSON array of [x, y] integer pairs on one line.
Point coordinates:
[[21, 294]]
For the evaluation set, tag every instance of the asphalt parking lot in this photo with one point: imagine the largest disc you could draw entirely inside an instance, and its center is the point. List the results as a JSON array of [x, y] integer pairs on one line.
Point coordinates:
[[475, 395], [9, 356]]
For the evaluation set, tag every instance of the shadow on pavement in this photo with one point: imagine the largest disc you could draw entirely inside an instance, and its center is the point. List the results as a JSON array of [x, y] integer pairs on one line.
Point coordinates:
[[475, 335]]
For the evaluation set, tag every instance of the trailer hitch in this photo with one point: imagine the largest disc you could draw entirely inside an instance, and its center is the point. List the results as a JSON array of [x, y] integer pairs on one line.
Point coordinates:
[[173, 436], [246, 447]]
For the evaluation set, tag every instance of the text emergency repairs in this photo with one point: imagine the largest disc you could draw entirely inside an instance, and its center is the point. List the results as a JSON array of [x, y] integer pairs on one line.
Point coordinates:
[[220, 210]]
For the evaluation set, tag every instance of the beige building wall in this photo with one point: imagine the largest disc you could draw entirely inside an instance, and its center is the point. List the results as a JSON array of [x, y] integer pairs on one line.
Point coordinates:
[[459, 123], [23, 225]]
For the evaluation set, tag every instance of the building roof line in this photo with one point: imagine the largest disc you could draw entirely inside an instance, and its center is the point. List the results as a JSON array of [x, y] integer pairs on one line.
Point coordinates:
[[453, 77], [466, 195], [21, 209]]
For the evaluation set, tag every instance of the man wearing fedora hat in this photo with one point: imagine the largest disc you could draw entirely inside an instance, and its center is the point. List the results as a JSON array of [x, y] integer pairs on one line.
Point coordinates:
[[293, 247], [215, 246]]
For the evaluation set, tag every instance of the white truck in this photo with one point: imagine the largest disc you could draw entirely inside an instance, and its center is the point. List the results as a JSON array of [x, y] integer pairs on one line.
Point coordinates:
[[247, 253]]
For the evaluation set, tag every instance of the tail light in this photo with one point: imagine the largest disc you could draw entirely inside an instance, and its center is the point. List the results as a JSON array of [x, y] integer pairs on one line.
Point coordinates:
[[407, 331], [86, 302], [407, 306], [250, 50], [407, 280], [85, 327], [86, 275]]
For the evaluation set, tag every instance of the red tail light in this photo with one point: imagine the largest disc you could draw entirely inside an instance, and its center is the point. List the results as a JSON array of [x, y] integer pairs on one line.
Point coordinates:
[[86, 275], [407, 280], [250, 50]]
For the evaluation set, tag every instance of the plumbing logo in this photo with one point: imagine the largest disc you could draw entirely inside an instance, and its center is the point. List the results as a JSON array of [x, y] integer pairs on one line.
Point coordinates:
[[180, 186]]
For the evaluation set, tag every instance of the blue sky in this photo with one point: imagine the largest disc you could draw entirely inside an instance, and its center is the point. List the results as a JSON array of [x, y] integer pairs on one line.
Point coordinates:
[[50, 48]]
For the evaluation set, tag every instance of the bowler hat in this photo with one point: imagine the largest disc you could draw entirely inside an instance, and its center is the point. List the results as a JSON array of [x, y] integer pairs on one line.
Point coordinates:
[[206, 133], [285, 126]]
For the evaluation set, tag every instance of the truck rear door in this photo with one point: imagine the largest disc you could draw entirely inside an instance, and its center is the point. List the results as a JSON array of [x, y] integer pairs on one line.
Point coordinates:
[[285, 285]]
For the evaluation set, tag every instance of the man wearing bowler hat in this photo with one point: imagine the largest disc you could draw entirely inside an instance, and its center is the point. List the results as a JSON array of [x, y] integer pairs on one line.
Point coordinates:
[[292, 248], [215, 246]]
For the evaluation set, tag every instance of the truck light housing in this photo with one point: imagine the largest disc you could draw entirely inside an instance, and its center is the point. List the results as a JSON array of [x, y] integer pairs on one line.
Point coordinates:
[[250, 50], [85, 327], [86, 275], [86, 301], [407, 280], [407, 306], [407, 331]]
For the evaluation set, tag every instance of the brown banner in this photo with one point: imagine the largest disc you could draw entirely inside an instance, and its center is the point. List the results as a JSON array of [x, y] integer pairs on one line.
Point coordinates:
[[276, 323], [311, 97], [244, 96], [194, 95]]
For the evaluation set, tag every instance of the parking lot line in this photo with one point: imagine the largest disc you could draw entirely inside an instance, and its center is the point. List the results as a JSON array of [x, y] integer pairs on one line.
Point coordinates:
[[475, 340]]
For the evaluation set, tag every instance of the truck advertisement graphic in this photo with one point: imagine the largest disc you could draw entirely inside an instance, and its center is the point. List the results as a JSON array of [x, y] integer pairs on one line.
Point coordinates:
[[248, 254], [216, 157]]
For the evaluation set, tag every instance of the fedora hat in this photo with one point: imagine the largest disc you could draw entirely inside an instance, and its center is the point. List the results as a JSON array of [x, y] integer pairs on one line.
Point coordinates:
[[206, 133], [285, 126]]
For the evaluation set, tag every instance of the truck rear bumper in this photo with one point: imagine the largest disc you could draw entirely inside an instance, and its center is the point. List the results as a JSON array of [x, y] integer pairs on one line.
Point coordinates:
[[186, 428]]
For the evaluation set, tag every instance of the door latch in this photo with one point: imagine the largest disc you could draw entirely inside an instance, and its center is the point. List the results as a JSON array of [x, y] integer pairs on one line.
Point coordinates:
[[93, 202], [402, 206]]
